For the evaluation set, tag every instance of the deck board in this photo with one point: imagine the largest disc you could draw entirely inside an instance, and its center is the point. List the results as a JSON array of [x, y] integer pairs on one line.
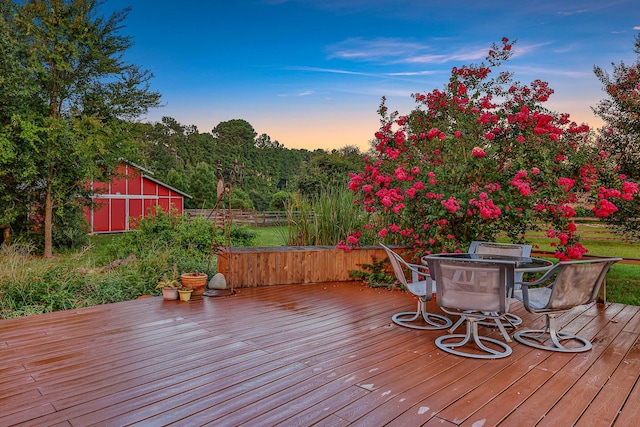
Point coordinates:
[[312, 354]]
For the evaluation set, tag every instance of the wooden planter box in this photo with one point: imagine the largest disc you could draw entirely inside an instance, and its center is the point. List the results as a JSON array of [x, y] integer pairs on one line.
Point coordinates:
[[283, 265]]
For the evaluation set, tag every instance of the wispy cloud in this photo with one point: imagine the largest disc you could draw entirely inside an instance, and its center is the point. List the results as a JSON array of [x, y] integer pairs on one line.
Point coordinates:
[[467, 55], [397, 51], [379, 49], [359, 73], [297, 94], [328, 70], [637, 27], [588, 7], [542, 71], [412, 73], [573, 12]]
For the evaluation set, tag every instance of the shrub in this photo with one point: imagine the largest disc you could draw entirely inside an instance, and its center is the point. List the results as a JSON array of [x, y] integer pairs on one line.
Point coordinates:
[[279, 201], [480, 158], [374, 275], [180, 241], [71, 229], [240, 200]]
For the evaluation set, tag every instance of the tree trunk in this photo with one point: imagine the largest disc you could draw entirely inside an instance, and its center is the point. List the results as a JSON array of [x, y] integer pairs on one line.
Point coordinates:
[[48, 223]]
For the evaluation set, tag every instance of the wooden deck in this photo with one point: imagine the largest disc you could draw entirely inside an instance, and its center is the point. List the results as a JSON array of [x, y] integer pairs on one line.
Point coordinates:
[[303, 355]]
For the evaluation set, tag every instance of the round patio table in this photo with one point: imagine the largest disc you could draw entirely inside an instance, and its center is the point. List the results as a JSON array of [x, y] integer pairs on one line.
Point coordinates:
[[522, 265]]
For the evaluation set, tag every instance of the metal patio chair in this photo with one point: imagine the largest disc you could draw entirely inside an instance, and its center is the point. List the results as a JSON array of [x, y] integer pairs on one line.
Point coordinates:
[[565, 286], [420, 285], [505, 249], [475, 290]]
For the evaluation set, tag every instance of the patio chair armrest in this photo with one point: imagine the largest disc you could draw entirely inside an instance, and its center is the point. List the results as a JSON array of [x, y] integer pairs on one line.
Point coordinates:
[[418, 272], [546, 277]]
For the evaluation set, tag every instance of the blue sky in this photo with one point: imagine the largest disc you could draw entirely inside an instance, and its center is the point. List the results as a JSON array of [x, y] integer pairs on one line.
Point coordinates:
[[311, 73]]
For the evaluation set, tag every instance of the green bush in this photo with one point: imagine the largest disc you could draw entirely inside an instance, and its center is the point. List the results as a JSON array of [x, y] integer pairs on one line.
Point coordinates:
[[260, 198], [241, 236], [71, 229], [174, 239], [374, 275], [279, 201], [179, 241], [241, 200], [32, 285]]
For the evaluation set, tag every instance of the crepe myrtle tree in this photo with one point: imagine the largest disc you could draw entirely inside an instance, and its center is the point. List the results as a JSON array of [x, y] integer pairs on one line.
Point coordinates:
[[620, 133], [483, 158]]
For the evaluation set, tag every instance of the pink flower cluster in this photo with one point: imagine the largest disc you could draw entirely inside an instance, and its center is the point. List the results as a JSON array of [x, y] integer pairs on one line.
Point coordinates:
[[451, 204], [486, 207], [566, 184], [521, 183], [604, 208], [478, 152]]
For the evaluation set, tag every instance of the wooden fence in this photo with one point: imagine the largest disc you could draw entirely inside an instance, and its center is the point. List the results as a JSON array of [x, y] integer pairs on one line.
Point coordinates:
[[241, 217]]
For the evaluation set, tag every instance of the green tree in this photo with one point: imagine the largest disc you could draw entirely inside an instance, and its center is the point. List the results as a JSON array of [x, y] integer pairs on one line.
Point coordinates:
[[620, 135], [264, 142], [235, 132], [620, 111], [14, 99], [82, 94], [326, 170], [202, 186]]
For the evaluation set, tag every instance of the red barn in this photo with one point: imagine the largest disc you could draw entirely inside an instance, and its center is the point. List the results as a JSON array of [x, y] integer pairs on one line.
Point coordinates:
[[129, 195]]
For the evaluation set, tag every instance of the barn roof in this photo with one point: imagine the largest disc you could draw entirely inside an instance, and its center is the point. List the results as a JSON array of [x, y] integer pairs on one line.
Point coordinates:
[[146, 173]]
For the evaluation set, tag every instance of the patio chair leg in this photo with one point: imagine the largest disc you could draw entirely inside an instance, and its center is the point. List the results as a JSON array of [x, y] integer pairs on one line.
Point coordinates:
[[512, 321], [536, 338], [455, 325], [472, 335], [506, 336], [433, 321]]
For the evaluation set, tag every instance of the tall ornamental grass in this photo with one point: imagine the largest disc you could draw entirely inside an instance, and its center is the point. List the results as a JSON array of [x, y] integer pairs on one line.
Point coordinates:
[[325, 219]]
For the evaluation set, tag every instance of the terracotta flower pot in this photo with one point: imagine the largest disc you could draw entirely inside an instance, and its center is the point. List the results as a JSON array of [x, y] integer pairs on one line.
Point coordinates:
[[195, 281], [185, 294]]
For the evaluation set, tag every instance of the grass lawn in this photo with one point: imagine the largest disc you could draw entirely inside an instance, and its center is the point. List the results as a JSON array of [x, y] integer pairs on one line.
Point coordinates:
[[270, 236]]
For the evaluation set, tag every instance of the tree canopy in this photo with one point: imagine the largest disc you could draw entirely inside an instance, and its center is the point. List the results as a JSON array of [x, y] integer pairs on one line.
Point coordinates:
[[620, 135], [66, 60], [178, 154]]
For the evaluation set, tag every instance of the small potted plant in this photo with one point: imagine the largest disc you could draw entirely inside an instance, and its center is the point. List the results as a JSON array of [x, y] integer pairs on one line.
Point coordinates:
[[196, 281], [185, 293], [169, 285]]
